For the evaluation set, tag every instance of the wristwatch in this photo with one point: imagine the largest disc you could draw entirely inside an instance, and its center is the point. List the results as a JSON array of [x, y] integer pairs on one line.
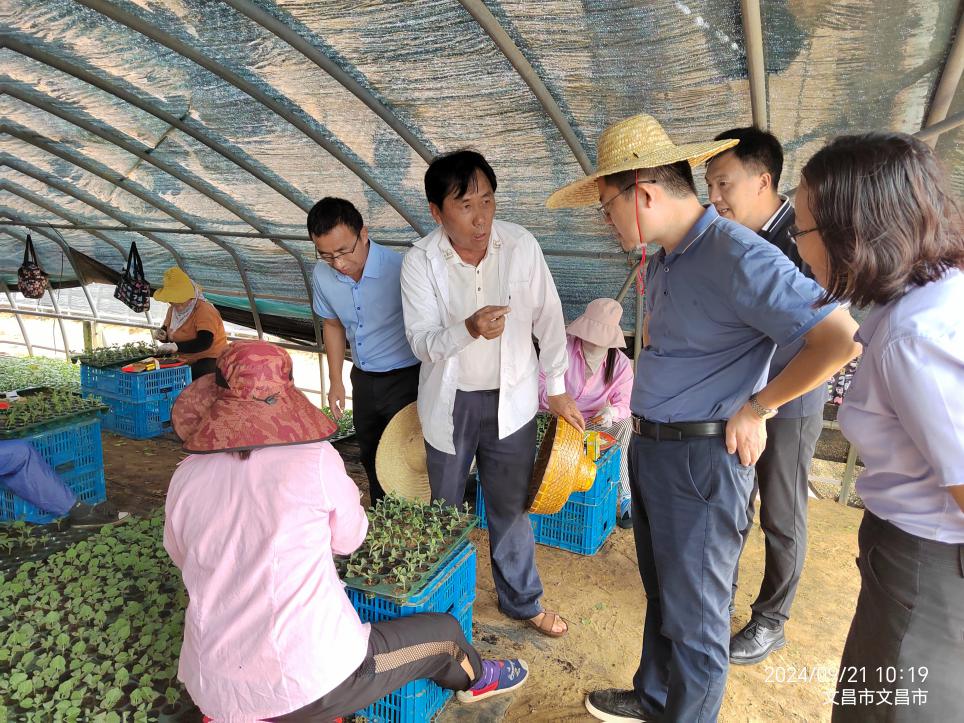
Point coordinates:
[[761, 411]]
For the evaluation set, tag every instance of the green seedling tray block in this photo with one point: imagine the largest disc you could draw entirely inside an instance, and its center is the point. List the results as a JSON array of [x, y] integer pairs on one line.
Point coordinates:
[[85, 359], [50, 423], [392, 592]]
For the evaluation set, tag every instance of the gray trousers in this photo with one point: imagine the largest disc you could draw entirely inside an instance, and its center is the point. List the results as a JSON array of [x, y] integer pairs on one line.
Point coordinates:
[[689, 505], [904, 656], [424, 645], [505, 468], [781, 477]]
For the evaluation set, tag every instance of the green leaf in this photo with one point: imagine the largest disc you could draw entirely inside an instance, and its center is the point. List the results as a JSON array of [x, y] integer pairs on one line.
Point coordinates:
[[112, 698]]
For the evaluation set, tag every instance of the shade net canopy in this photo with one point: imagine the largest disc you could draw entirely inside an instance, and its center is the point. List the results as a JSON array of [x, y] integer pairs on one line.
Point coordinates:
[[234, 117]]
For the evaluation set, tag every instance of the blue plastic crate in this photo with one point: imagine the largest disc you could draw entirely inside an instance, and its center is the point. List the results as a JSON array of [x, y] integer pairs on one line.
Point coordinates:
[[452, 587], [577, 527], [136, 420], [140, 387], [74, 451], [419, 700], [452, 591]]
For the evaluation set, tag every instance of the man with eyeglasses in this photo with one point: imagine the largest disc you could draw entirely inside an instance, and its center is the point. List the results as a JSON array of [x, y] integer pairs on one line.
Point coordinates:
[[742, 184], [357, 292], [719, 299]]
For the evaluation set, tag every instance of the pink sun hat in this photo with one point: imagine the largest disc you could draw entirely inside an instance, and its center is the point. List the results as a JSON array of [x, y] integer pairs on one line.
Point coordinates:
[[250, 402], [599, 324]]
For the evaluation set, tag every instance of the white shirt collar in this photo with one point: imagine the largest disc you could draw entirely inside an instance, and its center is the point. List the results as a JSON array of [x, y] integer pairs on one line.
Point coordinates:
[[778, 213]]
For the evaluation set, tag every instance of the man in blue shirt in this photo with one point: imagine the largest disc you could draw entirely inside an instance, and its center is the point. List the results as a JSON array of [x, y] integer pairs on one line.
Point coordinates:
[[358, 294], [719, 300], [742, 184]]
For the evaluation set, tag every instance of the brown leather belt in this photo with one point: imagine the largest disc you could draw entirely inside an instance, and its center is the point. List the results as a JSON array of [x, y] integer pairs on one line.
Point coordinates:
[[676, 431]]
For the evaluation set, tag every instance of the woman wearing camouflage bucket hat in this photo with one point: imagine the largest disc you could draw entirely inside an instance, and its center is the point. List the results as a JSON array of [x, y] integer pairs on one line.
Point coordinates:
[[253, 518]]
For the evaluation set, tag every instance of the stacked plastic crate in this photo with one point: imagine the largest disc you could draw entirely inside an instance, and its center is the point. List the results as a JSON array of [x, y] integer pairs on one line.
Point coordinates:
[[73, 449], [586, 520], [140, 402], [451, 590]]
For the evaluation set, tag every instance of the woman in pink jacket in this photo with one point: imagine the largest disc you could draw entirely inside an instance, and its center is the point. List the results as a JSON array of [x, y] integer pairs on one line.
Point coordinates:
[[600, 381], [253, 517]]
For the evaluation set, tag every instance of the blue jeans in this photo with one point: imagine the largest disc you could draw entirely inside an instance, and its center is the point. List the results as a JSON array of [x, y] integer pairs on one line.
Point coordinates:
[[25, 473], [689, 506]]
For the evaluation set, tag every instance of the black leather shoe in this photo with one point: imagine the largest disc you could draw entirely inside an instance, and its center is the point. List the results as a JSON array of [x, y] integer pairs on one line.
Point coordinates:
[[755, 642], [616, 706]]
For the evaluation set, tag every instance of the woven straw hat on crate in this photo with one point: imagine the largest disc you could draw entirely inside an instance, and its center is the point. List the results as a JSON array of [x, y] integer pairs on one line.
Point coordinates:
[[400, 461], [562, 467], [637, 142]]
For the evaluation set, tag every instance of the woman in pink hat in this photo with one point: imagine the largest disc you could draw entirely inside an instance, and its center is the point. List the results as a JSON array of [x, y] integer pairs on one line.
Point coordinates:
[[253, 517], [600, 381]]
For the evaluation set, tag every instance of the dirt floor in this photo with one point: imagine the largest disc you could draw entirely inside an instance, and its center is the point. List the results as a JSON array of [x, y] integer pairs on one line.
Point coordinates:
[[602, 598]]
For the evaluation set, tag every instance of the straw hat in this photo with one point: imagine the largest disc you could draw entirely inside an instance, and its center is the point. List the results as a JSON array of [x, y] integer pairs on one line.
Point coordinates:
[[177, 287], [400, 462], [250, 402], [599, 324], [637, 142], [562, 468]]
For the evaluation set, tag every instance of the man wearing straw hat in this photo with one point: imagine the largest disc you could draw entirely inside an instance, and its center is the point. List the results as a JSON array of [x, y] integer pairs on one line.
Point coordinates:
[[474, 292], [719, 300]]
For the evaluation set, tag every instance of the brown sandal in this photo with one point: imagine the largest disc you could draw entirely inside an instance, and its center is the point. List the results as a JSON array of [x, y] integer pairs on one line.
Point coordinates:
[[547, 629]]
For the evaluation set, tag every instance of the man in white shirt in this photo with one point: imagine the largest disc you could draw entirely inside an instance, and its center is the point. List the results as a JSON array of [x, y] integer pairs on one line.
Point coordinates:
[[474, 293]]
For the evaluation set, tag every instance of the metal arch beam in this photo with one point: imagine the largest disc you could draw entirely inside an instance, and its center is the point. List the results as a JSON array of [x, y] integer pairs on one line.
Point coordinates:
[[69, 253], [131, 146], [195, 130], [271, 23], [936, 130], [756, 69], [16, 313], [949, 80], [490, 24], [86, 198], [284, 109], [152, 199], [56, 210]]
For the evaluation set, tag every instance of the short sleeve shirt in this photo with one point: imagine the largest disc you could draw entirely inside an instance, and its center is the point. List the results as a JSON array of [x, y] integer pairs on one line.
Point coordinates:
[[718, 306], [370, 309], [204, 318]]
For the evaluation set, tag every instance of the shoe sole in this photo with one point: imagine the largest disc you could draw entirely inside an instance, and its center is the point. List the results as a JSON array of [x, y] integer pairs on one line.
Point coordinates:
[[609, 717], [758, 658], [498, 691]]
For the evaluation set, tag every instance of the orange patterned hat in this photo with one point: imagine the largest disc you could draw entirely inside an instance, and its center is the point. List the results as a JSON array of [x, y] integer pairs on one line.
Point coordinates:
[[250, 402]]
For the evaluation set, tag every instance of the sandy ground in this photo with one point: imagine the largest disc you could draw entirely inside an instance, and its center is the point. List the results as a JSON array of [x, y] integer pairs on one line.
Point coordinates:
[[602, 598]]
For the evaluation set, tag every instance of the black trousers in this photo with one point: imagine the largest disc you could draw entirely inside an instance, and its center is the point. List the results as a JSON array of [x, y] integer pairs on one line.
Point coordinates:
[[202, 367], [904, 657], [377, 397], [781, 477], [425, 645]]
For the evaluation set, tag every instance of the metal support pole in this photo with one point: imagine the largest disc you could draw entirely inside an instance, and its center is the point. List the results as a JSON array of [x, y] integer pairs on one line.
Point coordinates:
[[950, 79], [847, 485], [16, 313], [628, 283], [638, 340], [756, 70], [60, 321]]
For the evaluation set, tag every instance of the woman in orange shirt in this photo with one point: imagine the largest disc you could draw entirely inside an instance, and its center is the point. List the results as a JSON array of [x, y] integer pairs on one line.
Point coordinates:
[[193, 328]]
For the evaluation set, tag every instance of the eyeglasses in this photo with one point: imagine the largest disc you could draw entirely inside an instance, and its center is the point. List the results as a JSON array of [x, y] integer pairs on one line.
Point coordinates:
[[796, 233], [603, 208], [330, 258]]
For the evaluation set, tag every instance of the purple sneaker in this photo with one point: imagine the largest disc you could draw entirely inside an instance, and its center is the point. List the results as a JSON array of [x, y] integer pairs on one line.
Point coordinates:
[[498, 677]]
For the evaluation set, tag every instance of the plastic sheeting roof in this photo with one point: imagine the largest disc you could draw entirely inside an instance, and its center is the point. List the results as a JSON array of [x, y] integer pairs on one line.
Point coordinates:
[[191, 114]]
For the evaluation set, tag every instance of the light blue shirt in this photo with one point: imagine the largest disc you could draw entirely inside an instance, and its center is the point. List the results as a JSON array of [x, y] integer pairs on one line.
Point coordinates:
[[369, 309], [904, 411], [718, 307]]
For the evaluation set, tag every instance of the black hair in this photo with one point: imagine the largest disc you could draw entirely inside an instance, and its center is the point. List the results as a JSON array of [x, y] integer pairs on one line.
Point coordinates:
[[452, 174], [611, 364], [676, 178], [758, 148], [330, 212]]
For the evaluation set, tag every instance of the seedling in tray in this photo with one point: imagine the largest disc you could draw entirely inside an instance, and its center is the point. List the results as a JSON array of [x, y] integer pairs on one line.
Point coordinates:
[[406, 541], [116, 354], [36, 407]]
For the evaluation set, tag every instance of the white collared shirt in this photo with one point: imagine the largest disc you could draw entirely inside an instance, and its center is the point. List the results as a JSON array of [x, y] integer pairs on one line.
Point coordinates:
[[435, 327], [471, 288]]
